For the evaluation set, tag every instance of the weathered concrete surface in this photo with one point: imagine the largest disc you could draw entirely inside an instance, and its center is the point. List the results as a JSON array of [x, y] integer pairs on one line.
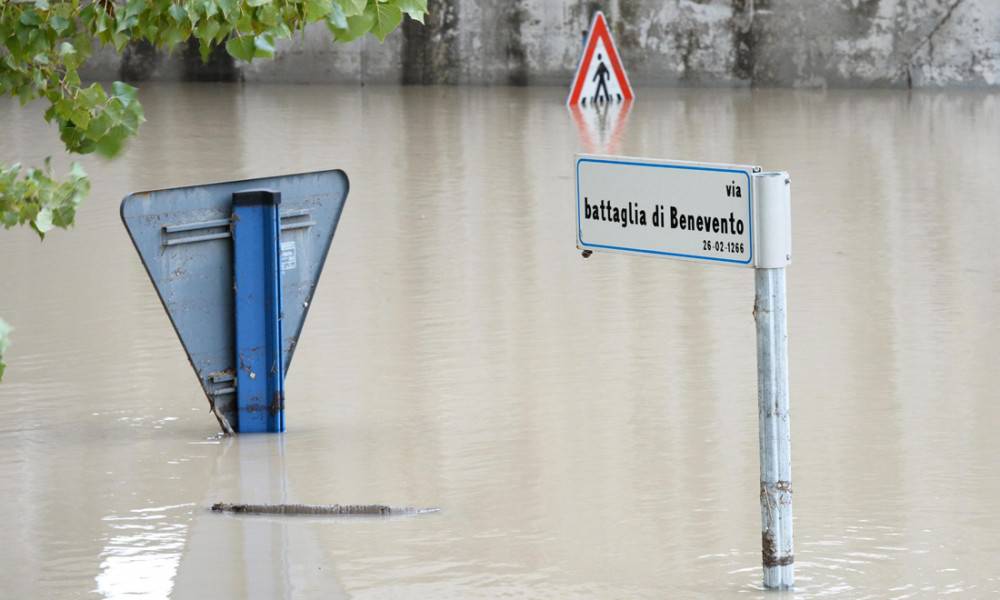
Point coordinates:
[[805, 43]]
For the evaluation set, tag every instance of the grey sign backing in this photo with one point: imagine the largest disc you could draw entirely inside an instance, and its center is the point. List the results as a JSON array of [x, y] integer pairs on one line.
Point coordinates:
[[183, 237]]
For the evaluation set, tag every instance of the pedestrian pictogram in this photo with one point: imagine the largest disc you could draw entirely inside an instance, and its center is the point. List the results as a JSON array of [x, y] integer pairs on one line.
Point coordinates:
[[600, 77]]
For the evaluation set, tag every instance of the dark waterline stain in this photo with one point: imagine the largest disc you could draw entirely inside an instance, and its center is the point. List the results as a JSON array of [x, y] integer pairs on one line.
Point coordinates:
[[430, 50], [219, 67], [626, 30], [743, 40], [139, 61], [517, 61]]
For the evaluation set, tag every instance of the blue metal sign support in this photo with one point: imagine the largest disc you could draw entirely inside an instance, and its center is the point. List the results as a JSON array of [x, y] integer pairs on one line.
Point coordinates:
[[260, 381], [212, 253]]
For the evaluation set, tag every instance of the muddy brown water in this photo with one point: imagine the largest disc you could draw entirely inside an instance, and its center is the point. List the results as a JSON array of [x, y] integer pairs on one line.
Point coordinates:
[[589, 428]]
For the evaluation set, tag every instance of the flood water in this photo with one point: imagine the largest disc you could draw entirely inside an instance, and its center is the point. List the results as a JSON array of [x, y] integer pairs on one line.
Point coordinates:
[[588, 428]]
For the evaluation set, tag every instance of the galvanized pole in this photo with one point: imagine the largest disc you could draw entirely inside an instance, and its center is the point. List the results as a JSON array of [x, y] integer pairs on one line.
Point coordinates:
[[775, 433]]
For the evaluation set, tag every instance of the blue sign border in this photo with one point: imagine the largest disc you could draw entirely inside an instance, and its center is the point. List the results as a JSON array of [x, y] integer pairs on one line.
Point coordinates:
[[633, 163]]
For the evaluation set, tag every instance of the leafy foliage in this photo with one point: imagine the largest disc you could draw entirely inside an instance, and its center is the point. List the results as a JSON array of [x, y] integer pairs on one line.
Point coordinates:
[[39, 200], [44, 42]]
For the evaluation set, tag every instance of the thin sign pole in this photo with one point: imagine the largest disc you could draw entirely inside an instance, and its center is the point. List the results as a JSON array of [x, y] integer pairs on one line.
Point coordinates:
[[752, 212], [775, 432]]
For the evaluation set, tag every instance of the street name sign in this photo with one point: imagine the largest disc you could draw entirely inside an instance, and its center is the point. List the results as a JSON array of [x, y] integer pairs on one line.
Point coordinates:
[[718, 214], [704, 212]]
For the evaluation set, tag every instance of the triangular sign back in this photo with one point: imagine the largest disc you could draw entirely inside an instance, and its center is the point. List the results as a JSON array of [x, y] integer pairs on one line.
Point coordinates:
[[183, 237], [595, 82]]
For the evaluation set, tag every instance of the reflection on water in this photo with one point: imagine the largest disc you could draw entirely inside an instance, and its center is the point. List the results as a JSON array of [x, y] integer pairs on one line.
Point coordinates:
[[588, 427], [602, 126], [247, 556], [142, 551]]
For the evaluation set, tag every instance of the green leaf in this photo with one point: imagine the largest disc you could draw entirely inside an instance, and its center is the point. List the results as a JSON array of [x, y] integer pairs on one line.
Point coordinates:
[[72, 78], [59, 24], [386, 18], [415, 8], [93, 95], [126, 93], [111, 144], [193, 14], [245, 23], [224, 30], [134, 8], [352, 8], [257, 2], [357, 26], [263, 46], [317, 9], [177, 13], [241, 48], [30, 18], [80, 118], [98, 127], [267, 16], [336, 19], [206, 32], [119, 40], [175, 35], [227, 7], [101, 21], [43, 221]]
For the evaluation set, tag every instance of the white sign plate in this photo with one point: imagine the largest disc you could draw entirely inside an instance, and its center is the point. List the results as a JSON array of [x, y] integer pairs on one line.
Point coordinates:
[[684, 210]]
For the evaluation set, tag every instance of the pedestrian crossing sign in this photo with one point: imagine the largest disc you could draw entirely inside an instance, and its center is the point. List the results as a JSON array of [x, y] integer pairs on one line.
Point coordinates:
[[600, 77]]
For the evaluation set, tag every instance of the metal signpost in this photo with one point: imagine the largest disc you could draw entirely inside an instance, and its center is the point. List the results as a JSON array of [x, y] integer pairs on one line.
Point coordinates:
[[235, 265], [725, 215]]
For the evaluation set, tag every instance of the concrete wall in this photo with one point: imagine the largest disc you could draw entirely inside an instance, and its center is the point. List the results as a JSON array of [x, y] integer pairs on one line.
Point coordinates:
[[897, 43]]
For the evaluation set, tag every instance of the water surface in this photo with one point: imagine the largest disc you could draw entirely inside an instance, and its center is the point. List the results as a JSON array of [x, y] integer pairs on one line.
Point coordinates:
[[589, 428]]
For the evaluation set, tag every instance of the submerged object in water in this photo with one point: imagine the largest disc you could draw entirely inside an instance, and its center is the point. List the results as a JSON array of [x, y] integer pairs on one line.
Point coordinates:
[[376, 510]]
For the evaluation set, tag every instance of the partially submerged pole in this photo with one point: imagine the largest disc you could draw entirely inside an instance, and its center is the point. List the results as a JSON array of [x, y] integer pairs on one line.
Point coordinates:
[[257, 309], [743, 218], [775, 432]]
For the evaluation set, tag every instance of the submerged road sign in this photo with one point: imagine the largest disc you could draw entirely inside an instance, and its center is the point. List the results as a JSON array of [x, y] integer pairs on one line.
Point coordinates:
[[235, 265], [600, 76], [721, 214], [691, 211]]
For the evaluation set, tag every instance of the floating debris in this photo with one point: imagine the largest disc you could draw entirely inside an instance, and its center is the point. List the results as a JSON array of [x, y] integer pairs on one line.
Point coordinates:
[[376, 510]]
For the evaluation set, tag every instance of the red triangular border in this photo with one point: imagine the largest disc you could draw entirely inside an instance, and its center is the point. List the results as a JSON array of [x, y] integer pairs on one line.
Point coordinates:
[[599, 28]]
